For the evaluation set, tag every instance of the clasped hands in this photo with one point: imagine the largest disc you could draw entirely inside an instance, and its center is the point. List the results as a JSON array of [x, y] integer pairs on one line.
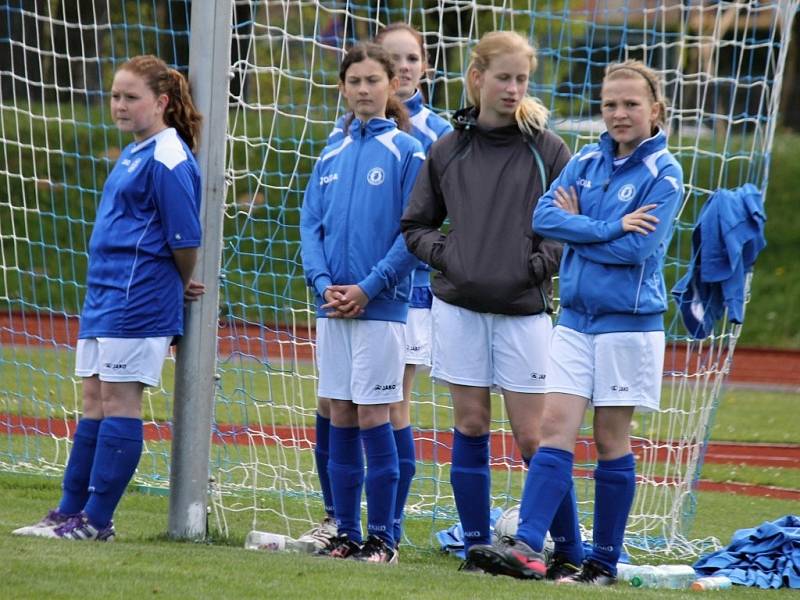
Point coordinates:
[[344, 301]]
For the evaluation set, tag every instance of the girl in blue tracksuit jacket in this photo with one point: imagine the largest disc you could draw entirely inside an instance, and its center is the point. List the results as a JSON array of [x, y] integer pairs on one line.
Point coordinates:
[[407, 49], [357, 263], [613, 206]]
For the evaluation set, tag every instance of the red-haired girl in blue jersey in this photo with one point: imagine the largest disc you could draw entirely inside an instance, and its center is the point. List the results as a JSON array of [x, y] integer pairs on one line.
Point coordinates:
[[142, 253]]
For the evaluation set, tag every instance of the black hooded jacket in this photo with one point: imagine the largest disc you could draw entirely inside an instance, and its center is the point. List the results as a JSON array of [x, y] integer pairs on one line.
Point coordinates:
[[486, 182]]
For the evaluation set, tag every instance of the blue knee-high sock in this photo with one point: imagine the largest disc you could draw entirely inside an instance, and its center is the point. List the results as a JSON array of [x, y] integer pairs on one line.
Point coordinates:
[[383, 473], [565, 528], [548, 481], [75, 487], [321, 453], [614, 488], [471, 483], [404, 439], [346, 472], [119, 446]]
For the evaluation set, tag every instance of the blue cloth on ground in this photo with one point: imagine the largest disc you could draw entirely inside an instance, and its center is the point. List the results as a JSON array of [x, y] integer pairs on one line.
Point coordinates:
[[452, 539], [727, 238], [767, 556]]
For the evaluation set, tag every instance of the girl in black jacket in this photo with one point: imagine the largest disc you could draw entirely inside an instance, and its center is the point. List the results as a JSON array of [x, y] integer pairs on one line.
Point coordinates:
[[493, 289]]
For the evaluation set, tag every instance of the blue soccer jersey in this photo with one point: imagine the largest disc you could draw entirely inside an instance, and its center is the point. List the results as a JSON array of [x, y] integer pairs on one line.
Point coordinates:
[[150, 207]]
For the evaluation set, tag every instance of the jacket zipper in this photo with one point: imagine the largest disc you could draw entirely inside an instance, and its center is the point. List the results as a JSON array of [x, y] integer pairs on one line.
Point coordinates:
[[360, 143], [614, 174], [638, 290], [544, 298]]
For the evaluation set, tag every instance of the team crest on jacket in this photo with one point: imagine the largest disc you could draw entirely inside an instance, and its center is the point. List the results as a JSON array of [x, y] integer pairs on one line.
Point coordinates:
[[375, 176], [626, 192]]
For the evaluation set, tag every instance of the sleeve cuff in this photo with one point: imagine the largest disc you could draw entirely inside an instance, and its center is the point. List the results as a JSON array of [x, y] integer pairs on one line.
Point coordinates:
[[372, 285], [616, 230], [180, 245], [322, 283]]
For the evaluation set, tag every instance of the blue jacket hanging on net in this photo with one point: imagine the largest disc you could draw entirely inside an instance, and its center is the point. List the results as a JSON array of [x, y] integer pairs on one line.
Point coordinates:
[[726, 240]]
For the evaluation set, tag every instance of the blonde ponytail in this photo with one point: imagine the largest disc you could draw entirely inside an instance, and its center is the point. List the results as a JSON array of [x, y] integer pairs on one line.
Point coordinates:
[[531, 115]]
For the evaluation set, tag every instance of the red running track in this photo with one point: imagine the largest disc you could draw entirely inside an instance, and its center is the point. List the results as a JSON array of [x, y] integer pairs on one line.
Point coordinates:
[[434, 446]]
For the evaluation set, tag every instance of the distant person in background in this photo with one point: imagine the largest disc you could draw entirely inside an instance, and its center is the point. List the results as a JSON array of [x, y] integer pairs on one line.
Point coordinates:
[[493, 290], [356, 261], [614, 207], [407, 49], [142, 253]]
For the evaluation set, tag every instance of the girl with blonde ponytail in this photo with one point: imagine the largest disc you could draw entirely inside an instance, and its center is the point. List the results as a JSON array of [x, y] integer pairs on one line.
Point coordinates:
[[530, 114], [493, 290]]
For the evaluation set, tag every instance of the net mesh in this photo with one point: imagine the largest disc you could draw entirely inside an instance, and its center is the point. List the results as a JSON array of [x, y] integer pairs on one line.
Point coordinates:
[[722, 63]]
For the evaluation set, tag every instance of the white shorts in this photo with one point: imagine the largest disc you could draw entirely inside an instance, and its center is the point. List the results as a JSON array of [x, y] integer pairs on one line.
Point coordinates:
[[485, 349], [418, 337], [610, 369], [361, 361], [122, 359]]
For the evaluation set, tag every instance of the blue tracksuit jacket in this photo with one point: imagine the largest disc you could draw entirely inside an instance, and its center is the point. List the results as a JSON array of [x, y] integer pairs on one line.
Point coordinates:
[[426, 127], [610, 280], [350, 220]]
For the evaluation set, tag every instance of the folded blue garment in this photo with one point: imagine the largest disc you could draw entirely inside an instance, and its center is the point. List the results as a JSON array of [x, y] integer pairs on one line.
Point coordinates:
[[767, 556]]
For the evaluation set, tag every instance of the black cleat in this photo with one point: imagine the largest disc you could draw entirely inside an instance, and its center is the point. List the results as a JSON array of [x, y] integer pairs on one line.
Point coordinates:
[[340, 547], [592, 573], [560, 567], [377, 551]]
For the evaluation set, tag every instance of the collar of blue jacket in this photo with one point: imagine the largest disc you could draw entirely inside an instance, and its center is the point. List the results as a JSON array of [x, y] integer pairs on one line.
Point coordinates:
[[658, 141], [375, 126], [414, 104]]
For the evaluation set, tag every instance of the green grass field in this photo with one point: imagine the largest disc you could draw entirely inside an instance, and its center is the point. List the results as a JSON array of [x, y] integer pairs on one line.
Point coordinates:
[[142, 562]]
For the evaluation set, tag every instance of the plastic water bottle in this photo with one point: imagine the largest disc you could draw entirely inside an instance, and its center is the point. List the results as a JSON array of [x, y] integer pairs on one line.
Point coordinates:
[[626, 572], [716, 582], [672, 577], [273, 542]]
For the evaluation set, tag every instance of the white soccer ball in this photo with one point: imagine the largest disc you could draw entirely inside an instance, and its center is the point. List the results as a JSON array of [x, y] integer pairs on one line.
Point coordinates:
[[507, 523]]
